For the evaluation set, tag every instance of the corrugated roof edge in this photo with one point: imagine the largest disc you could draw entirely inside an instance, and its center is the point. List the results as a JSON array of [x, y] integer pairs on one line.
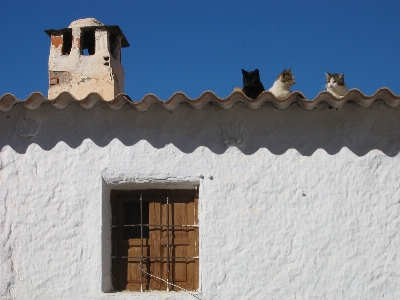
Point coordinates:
[[7, 101]]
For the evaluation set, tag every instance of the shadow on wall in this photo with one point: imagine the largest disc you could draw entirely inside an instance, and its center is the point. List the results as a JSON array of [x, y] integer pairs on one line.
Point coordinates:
[[359, 129]]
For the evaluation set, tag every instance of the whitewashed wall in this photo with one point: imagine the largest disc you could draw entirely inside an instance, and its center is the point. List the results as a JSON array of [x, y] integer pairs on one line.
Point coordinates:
[[300, 205]]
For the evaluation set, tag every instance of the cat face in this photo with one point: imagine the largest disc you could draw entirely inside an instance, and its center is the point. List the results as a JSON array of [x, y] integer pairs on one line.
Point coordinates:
[[250, 77], [335, 84], [286, 77], [252, 86], [334, 81]]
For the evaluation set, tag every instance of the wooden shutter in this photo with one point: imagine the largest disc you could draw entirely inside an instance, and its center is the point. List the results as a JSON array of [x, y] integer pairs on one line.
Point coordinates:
[[171, 237]]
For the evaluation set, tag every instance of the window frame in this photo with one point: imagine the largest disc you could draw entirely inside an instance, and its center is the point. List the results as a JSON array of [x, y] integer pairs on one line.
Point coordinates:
[[171, 261]]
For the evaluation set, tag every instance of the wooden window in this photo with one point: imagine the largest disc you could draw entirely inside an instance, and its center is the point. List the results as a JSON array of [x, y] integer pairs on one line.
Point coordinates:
[[155, 235]]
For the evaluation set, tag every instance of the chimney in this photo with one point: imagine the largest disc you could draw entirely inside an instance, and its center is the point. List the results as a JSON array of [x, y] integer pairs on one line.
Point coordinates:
[[86, 58]]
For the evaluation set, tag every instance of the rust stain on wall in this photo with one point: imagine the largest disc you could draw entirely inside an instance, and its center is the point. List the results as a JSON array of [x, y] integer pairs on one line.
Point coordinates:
[[78, 42], [54, 79], [56, 40]]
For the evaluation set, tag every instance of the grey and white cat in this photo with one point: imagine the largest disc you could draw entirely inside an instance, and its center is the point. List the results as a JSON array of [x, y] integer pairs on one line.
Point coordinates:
[[335, 84], [282, 84]]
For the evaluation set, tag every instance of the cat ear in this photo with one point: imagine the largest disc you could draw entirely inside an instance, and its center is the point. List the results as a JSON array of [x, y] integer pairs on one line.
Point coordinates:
[[341, 76], [328, 75], [244, 72], [290, 70]]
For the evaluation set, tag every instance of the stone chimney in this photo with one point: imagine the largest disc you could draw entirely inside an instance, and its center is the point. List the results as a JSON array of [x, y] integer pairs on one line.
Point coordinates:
[[86, 58]]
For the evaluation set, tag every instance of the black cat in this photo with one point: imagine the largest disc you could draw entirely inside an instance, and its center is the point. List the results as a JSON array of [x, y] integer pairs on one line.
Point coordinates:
[[252, 86]]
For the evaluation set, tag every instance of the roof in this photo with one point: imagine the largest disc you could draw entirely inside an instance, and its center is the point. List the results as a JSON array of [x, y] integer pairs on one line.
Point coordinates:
[[7, 101]]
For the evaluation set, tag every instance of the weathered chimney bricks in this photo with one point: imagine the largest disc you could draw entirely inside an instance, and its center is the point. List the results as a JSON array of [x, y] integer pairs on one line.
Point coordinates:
[[86, 58]]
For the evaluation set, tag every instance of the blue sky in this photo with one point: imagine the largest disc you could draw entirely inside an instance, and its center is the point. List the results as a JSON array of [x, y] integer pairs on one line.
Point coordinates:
[[194, 46]]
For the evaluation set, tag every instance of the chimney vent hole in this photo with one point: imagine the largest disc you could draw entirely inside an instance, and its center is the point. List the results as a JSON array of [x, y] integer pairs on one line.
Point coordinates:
[[88, 42], [67, 43]]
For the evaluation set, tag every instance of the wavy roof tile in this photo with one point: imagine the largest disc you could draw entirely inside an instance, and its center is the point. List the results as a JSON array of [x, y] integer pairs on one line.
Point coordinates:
[[7, 101]]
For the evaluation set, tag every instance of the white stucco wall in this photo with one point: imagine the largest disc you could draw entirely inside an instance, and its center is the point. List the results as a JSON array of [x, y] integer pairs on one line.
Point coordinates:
[[301, 204]]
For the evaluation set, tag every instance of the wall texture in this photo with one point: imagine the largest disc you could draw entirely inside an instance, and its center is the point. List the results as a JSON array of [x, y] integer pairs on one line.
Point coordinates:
[[294, 204]]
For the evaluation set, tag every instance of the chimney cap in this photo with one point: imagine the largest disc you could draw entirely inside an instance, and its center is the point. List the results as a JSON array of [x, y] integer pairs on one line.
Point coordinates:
[[87, 22], [91, 23]]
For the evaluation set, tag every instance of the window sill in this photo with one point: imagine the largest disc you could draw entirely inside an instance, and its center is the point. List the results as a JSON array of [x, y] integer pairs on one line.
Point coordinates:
[[152, 295]]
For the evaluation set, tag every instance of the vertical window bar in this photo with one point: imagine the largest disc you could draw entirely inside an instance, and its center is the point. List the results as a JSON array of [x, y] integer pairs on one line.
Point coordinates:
[[167, 240], [141, 240]]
